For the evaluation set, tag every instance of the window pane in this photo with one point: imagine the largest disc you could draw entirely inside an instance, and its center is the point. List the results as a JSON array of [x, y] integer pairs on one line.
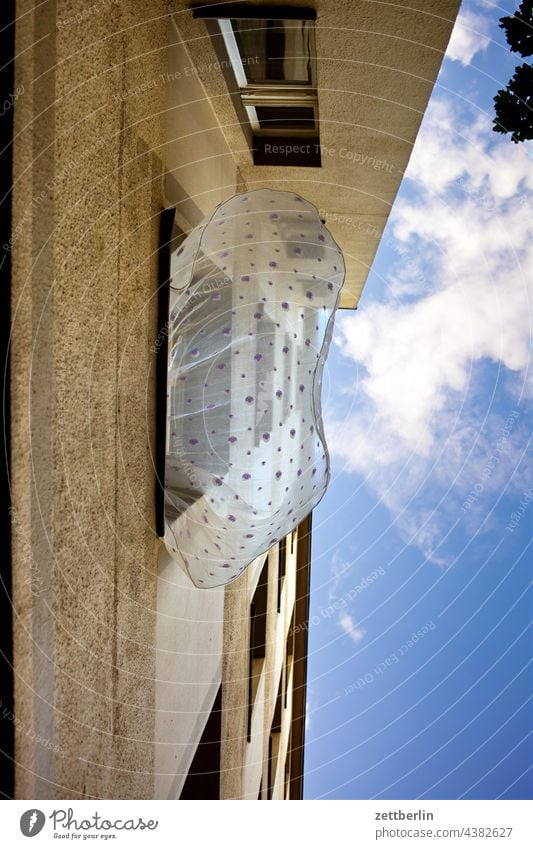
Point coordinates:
[[275, 51], [286, 117]]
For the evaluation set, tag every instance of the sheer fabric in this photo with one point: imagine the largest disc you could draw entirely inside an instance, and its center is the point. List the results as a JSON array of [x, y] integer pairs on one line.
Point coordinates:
[[254, 290]]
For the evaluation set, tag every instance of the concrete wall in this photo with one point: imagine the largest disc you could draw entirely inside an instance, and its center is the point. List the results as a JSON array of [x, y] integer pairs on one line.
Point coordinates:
[[201, 168], [189, 635], [88, 191]]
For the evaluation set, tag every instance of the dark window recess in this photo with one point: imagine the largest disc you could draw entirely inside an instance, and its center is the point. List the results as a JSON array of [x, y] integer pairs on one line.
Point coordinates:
[[290, 637], [286, 671], [253, 12], [259, 603], [282, 554], [251, 673], [273, 755], [293, 151], [288, 773], [257, 646], [286, 117], [278, 709], [166, 224], [203, 778], [270, 770]]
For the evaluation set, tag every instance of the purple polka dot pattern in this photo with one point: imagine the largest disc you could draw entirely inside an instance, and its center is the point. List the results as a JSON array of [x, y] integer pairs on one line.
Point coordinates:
[[246, 461]]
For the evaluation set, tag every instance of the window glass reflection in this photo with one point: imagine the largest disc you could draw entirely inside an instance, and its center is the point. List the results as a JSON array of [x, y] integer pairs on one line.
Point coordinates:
[[275, 51]]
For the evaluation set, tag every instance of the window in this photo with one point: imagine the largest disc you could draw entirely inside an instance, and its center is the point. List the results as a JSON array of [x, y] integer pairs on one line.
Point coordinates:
[[274, 740], [278, 708], [203, 778], [273, 62], [288, 771], [257, 645], [289, 651], [280, 117], [273, 51], [168, 236], [272, 54], [273, 754], [282, 554]]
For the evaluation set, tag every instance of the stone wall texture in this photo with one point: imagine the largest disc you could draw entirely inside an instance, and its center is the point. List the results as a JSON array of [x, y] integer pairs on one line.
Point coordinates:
[[88, 192]]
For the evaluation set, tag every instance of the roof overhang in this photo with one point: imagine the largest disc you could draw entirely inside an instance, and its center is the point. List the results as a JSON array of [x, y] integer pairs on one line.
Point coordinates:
[[377, 63]]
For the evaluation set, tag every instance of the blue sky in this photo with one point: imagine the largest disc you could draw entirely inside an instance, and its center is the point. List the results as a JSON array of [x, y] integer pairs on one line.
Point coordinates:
[[420, 675]]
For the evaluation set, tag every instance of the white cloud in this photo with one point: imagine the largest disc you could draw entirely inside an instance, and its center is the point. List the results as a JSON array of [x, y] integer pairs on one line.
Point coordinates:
[[416, 354], [453, 144], [460, 296], [350, 628], [339, 569], [470, 36]]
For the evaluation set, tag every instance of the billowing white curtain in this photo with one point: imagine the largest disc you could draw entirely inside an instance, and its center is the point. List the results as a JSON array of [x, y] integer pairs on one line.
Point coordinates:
[[254, 289]]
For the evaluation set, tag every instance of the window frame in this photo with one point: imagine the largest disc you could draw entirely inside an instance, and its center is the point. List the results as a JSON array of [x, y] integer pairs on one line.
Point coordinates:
[[268, 92]]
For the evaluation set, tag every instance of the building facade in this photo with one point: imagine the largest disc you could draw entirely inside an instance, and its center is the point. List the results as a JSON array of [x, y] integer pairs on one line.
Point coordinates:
[[128, 681], [249, 741]]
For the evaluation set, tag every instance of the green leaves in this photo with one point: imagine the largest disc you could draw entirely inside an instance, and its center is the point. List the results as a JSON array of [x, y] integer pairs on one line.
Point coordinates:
[[519, 29], [514, 105]]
